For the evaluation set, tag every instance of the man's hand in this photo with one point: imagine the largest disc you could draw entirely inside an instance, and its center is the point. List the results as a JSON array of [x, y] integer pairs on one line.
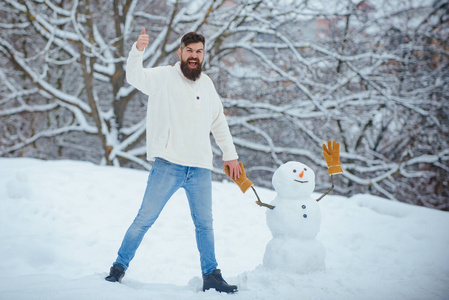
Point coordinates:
[[238, 175], [143, 40], [234, 169]]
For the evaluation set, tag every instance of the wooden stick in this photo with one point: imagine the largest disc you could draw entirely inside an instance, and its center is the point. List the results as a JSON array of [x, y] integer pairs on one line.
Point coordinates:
[[260, 203], [330, 190]]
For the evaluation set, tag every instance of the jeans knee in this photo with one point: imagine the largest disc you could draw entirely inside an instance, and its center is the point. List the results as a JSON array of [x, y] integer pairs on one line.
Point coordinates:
[[203, 224], [144, 222]]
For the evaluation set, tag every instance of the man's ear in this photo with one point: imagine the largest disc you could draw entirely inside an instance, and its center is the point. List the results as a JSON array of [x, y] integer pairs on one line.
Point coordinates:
[[179, 53]]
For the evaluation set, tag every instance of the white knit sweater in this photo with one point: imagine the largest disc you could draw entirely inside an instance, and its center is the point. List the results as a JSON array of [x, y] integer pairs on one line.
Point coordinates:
[[181, 114]]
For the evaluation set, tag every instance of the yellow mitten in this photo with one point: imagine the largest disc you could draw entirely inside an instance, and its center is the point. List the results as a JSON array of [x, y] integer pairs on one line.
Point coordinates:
[[332, 157], [243, 182]]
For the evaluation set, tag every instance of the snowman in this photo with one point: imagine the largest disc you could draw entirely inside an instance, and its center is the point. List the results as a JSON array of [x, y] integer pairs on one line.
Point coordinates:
[[294, 222], [294, 217]]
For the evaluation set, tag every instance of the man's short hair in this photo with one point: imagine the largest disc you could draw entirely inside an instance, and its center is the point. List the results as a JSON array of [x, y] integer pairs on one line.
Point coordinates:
[[190, 38]]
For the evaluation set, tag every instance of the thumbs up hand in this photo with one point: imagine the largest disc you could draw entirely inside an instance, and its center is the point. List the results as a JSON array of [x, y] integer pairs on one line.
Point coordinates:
[[143, 40]]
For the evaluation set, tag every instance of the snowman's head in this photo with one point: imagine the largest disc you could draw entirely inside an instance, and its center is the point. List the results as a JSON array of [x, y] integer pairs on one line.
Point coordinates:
[[294, 180]]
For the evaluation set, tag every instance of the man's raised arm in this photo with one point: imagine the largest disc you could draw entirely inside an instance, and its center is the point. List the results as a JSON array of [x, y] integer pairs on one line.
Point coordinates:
[[136, 74]]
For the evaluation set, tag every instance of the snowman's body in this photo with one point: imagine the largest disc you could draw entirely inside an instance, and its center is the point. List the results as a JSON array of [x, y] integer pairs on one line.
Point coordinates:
[[294, 222]]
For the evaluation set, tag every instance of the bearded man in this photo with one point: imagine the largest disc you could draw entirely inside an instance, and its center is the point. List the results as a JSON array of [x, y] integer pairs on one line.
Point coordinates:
[[183, 109]]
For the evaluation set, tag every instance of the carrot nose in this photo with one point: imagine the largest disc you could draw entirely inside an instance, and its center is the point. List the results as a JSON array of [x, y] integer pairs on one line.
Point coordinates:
[[301, 174]]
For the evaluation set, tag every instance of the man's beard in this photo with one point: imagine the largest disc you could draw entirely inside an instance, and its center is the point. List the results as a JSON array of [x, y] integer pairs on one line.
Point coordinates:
[[191, 73]]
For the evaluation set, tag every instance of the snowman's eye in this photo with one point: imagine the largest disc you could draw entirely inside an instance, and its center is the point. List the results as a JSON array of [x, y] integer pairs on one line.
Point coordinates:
[[294, 171], [305, 169]]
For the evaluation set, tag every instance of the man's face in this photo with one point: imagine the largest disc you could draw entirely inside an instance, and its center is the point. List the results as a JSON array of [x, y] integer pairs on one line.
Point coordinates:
[[192, 57]]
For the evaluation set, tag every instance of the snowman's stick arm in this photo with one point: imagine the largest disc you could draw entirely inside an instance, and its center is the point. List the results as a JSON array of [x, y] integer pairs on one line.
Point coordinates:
[[260, 203], [330, 190]]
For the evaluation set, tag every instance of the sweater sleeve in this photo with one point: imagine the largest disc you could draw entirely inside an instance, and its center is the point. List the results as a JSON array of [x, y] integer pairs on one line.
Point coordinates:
[[136, 74], [220, 131]]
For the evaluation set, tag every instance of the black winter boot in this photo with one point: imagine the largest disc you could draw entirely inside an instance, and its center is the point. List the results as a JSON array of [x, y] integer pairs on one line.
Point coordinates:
[[116, 274], [215, 281]]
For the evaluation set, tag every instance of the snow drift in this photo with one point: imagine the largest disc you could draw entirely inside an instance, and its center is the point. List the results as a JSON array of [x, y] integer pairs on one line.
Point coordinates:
[[63, 221]]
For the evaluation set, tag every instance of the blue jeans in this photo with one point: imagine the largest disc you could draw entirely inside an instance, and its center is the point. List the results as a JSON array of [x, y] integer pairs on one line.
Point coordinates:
[[164, 180]]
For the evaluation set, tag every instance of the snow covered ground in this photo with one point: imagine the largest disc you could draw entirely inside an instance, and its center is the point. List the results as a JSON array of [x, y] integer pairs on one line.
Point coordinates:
[[61, 223]]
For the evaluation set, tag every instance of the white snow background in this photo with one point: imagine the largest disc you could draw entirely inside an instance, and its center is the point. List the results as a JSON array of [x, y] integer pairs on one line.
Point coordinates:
[[62, 223]]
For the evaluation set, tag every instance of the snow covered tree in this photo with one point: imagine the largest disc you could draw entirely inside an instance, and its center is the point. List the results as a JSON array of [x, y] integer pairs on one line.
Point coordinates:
[[292, 74], [371, 77]]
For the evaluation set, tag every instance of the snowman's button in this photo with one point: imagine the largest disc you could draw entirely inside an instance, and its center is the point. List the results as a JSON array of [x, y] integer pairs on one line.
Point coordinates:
[[304, 215], [304, 207]]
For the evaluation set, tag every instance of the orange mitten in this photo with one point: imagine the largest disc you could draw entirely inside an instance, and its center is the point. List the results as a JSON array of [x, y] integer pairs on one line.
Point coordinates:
[[243, 182], [332, 157]]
